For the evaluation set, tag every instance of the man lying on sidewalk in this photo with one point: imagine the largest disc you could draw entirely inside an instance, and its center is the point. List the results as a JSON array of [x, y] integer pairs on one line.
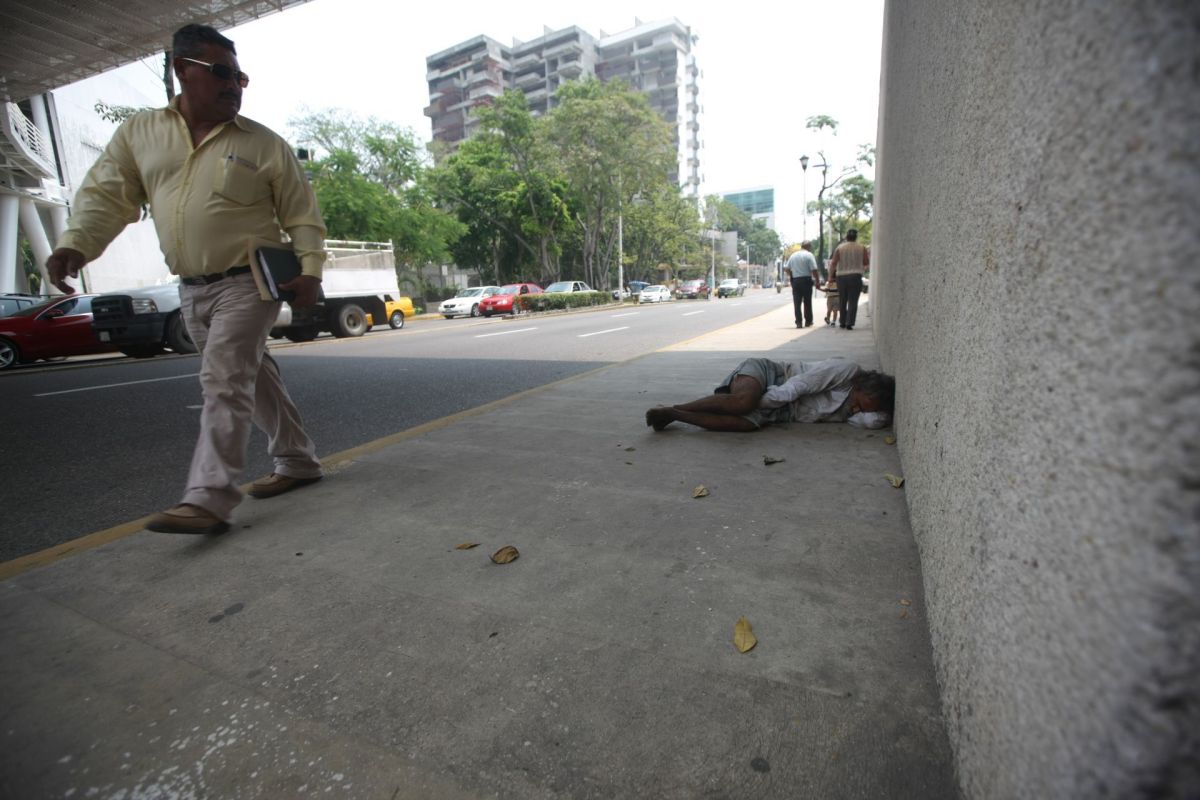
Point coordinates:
[[761, 391]]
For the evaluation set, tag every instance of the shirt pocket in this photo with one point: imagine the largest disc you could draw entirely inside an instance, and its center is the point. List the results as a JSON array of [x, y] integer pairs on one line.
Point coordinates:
[[239, 180]]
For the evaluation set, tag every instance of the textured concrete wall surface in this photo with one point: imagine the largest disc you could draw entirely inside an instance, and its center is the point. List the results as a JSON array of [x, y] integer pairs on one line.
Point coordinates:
[[1036, 291]]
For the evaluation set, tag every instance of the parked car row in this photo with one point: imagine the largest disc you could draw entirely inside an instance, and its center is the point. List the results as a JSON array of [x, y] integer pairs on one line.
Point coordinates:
[[139, 326], [489, 300]]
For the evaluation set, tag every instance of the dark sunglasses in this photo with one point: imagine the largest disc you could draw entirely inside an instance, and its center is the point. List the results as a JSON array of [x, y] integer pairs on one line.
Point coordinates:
[[222, 72]]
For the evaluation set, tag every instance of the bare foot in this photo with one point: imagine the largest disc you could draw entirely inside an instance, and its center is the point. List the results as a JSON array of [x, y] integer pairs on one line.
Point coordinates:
[[659, 417]]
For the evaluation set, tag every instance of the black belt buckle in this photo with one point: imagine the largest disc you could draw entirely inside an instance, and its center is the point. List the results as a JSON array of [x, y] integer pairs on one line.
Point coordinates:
[[213, 277]]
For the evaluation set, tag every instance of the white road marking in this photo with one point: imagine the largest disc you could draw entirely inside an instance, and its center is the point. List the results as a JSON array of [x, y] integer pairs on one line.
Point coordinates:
[[504, 333], [690, 313], [117, 385], [627, 314], [597, 333]]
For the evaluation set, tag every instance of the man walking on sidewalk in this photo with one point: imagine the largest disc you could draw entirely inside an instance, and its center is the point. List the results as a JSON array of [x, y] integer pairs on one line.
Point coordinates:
[[214, 180], [802, 267], [849, 261]]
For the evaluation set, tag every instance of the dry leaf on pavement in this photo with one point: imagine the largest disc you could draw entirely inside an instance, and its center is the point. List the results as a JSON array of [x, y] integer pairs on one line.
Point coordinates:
[[895, 480], [743, 636], [466, 545], [505, 555], [906, 602], [889, 440], [700, 491], [769, 460], [630, 449]]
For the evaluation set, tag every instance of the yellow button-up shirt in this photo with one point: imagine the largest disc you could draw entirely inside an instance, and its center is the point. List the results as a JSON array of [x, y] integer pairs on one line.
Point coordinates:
[[242, 182]]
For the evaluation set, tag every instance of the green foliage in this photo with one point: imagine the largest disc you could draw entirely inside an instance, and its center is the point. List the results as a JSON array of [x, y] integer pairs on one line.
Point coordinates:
[[372, 185], [822, 122], [544, 194], [559, 301], [116, 113]]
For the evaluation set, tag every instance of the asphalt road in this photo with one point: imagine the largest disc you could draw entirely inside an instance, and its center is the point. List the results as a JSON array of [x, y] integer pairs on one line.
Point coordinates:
[[88, 445]]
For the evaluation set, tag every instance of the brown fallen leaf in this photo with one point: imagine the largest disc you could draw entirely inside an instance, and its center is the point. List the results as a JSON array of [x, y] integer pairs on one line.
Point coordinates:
[[889, 440], [769, 460], [906, 602], [895, 480], [700, 491], [904, 614], [743, 636], [630, 463], [466, 545], [505, 555], [630, 449]]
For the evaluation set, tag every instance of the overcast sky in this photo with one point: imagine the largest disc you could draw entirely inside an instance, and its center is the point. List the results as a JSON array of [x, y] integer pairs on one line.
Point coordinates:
[[766, 69]]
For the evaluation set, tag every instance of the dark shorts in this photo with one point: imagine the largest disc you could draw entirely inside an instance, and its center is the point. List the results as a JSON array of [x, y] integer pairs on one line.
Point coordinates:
[[768, 373]]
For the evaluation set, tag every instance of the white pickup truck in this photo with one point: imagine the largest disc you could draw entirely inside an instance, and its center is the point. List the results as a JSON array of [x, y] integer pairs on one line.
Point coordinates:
[[359, 279]]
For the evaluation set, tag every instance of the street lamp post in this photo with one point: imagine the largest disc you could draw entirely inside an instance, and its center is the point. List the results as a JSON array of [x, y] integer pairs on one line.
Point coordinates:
[[804, 189]]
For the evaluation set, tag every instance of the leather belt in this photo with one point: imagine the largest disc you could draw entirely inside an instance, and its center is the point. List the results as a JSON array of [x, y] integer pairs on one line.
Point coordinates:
[[213, 277]]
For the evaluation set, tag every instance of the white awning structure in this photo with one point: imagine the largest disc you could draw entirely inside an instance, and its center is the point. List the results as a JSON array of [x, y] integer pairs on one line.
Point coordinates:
[[45, 44]]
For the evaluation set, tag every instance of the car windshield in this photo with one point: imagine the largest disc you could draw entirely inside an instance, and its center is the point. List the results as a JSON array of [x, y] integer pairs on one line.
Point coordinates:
[[509, 290], [470, 292], [68, 307], [561, 286]]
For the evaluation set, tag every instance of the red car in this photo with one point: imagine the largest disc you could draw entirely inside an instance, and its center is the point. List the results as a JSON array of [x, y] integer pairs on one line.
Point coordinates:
[[58, 327], [502, 301]]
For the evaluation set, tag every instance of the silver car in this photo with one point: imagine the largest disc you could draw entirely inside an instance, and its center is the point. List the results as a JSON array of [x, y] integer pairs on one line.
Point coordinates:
[[466, 302]]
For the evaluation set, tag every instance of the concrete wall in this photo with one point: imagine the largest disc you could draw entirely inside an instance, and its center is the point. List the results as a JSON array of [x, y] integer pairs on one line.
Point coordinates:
[[1037, 294]]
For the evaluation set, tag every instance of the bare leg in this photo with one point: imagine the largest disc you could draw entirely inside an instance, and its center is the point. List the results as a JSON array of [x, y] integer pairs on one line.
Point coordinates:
[[715, 412]]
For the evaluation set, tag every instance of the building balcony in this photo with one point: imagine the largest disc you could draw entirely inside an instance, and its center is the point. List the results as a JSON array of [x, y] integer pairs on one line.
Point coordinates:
[[22, 145]]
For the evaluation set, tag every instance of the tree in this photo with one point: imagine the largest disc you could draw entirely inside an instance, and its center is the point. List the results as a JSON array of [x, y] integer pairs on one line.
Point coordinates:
[[371, 184], [611, 147]]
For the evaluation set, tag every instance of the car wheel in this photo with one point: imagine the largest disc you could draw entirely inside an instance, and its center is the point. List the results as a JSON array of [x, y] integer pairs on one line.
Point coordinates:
[[178, 338], [349, 321], [448, 316], [396, 320], [10, 355], [487, 313], [475, 310]]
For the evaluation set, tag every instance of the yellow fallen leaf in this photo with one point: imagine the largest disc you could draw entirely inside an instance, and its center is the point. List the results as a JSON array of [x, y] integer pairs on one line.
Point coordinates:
[[467, 545], [769, 460], [700, 491], [906, 602], [895, 480], [889, 440], [743, 636], [505, 555]]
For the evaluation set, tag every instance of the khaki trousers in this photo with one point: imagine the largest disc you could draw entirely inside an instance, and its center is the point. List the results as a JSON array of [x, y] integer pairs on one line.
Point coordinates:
[[241, 384]]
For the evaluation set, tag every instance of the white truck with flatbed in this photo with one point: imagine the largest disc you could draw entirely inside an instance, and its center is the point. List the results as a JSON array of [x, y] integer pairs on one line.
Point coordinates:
[[359, 279]]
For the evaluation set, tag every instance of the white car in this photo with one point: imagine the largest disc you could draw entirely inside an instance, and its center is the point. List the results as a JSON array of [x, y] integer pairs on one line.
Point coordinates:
[[654, 294], [466, 302], [568, 286]]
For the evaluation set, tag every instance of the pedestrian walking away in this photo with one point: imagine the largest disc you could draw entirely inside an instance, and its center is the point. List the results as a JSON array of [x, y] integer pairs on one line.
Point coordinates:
[[802, 270], [850, 260], [760, 392], [214, 181]]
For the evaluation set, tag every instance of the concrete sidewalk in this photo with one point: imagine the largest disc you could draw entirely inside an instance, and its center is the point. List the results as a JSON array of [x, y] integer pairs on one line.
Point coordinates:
[[336, 644]]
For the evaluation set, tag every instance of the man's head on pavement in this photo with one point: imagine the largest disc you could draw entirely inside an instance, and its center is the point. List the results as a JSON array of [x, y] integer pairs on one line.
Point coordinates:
[[852, 235], [209, 76], [873, 391]]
